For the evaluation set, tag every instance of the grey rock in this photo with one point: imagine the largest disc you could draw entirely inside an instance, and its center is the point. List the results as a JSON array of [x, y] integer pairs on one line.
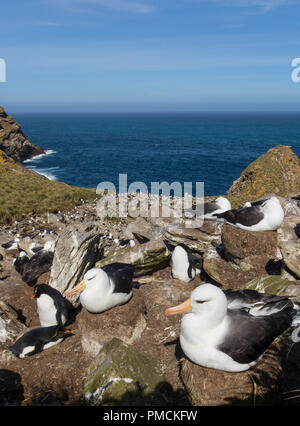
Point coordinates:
[[126, 322], [199, 239], [10, 326], [76, 251], [289, 243]]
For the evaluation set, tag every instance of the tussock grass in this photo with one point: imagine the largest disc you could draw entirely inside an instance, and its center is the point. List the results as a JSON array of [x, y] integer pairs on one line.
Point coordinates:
[[24, 192]]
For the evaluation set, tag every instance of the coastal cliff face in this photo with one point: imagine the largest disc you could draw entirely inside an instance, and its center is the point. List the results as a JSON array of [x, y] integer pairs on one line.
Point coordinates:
[[277, 172], [13, 142]]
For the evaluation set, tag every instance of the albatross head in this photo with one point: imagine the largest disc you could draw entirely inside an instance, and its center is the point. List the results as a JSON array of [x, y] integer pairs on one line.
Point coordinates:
[[272, 203], [207, 301], [94, 281], [224, 203]]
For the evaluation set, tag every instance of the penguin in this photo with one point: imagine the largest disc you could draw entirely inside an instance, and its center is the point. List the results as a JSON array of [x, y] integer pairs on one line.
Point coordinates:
[[38, 339], [52, 307], [185, 266]]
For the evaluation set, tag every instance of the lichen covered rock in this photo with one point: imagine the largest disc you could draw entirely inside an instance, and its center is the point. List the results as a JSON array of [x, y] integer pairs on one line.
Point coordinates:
[[275, 284], [120, 375], [277, 171], [147, 257]]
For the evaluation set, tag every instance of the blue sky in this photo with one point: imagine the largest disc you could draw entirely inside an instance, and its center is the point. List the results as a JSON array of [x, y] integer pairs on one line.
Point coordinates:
[[149, 55]]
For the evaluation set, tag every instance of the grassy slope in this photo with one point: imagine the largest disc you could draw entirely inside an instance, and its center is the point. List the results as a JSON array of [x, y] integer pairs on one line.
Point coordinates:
[[24, 192]]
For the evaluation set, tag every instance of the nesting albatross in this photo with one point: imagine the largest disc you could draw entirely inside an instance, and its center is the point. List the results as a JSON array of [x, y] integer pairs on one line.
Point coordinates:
[[209, 208], [230, 332], [103, 288], [263, 215]]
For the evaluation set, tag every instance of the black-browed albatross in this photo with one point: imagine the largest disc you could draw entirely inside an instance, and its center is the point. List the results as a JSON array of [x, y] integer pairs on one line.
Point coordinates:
[[230, 332], [103, 288], [263, 215]]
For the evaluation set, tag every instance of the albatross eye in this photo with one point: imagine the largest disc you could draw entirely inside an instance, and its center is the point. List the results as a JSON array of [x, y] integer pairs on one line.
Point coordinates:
[[90, 278], [201, 301]]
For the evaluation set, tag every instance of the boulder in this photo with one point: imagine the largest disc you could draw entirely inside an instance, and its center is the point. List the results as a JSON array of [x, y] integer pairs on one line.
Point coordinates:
[[13, 142], [240, 244], [277, 171], [261, 385], [76, 251], [141, 230], [125, 322], [275, 284], [198, 239], [291, 207], [147, 257], [10, 326], [120, 375], [230, 274], [289, 243], [10, 329]]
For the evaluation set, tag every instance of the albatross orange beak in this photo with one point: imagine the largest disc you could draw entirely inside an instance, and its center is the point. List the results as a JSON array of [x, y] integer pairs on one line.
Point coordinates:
[[80, 287], [180, 309]]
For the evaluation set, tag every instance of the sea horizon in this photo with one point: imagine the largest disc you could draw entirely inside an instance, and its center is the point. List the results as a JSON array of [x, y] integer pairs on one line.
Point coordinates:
[[88, 148]]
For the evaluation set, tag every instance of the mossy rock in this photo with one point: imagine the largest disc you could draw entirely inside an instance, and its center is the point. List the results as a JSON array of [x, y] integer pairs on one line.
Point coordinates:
[[277, 172], [120, 375], [147, 258], [275, 284]]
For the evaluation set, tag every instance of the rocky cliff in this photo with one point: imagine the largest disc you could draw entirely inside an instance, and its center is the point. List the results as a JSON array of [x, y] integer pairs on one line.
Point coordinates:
[[12, 140]]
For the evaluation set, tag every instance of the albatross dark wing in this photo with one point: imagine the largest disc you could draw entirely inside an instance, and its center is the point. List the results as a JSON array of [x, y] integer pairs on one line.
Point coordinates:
[[247, 298], [249, 336], [247, 216], [121, 274]]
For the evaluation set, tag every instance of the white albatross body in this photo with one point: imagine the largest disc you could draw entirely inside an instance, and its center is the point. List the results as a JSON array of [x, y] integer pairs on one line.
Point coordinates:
[[104, 288], [233, 340]]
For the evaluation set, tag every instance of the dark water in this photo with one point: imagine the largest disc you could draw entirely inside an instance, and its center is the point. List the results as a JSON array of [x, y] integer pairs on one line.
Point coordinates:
[[214, 148]]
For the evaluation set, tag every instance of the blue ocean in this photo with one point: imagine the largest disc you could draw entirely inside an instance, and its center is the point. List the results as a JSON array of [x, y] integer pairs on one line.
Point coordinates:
[[86, 149]]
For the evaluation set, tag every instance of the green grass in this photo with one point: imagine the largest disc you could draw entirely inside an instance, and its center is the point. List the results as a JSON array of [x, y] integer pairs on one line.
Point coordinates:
[[24, 192]]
